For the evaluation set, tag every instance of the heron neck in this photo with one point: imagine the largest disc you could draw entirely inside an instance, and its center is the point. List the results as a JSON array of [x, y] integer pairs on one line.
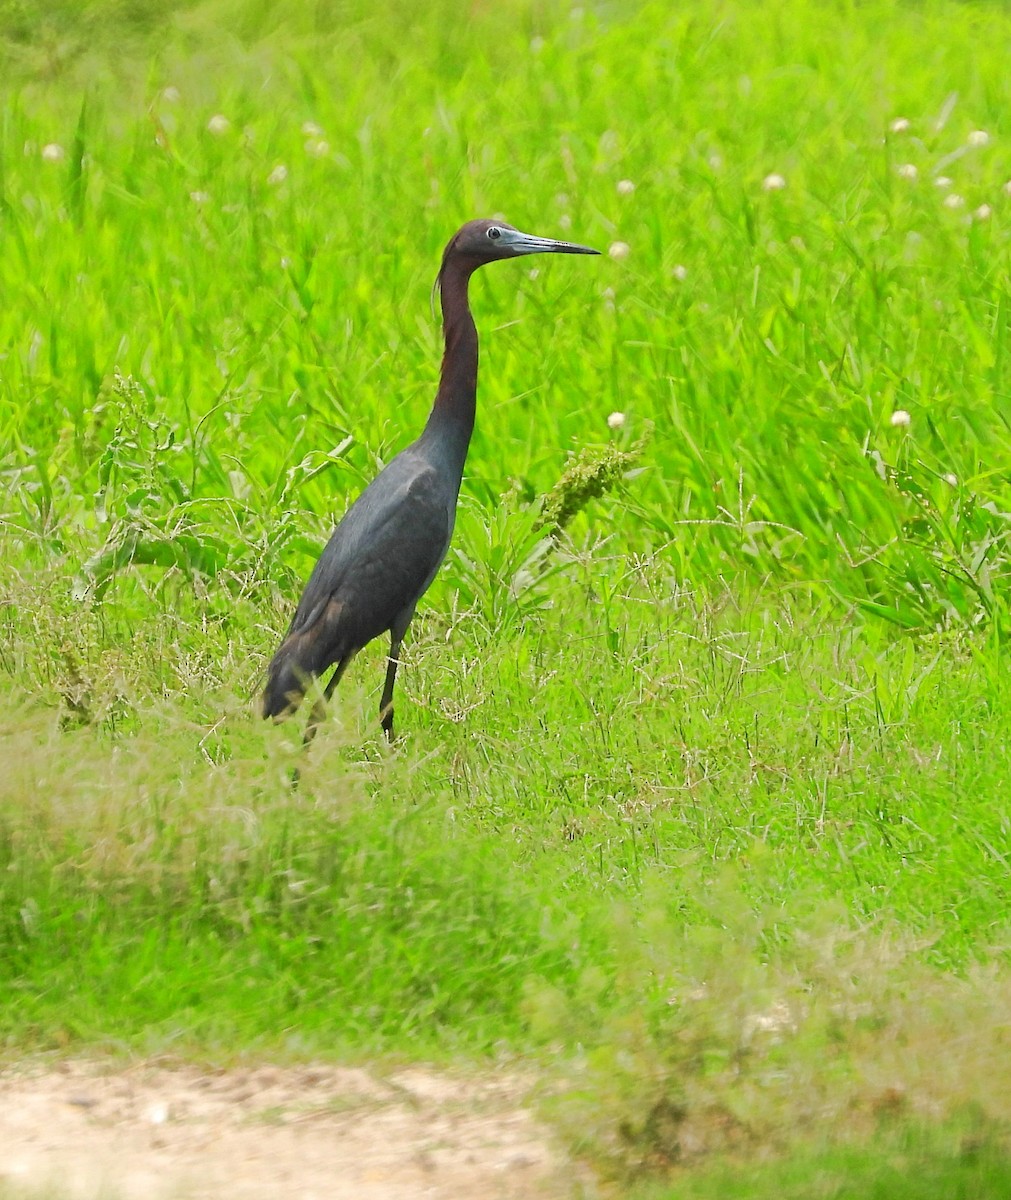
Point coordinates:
[[455, 401]]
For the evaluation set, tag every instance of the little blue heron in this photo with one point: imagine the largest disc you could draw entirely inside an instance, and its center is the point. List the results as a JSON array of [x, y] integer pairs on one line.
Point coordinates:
[[387, 548]]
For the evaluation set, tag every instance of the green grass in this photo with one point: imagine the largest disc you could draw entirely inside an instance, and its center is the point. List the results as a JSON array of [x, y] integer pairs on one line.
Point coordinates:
[[912, 1168], [701, 805]]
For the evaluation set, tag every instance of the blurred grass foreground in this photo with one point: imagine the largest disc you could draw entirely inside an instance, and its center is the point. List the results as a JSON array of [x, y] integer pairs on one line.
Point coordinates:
[[701, 805]]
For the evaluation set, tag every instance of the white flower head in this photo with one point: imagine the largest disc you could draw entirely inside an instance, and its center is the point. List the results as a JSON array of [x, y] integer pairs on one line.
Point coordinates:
[[619, 250], [773, 183], [953, 200], [53, 152], [1007, 188], [565, 221], [199, 197], [317, 147], [278, 175], [978, 137], [907, 171], [900, 418], [537, 44], [218, 124], [311, 129], [950, 479], [983, 213], [899, 125], [171, 94], [616, 420], [942, 181], [680, 272], [625, 187]]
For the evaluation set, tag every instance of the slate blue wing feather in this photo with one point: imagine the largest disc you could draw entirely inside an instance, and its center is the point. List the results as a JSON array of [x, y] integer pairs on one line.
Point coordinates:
[[381, 557]]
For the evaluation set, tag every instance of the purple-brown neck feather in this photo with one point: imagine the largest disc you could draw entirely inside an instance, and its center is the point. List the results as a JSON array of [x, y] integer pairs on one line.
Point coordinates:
[[456, 399]]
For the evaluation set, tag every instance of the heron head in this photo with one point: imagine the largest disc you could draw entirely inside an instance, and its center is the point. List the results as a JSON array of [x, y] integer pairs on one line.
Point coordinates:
[[485, 241]]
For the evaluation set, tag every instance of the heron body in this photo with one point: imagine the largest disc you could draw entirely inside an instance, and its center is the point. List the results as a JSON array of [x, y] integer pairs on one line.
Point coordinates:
[[386, 550]]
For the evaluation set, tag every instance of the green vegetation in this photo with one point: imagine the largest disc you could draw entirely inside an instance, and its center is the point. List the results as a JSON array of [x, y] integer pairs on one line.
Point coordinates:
[[910, 1168], [702, 795]]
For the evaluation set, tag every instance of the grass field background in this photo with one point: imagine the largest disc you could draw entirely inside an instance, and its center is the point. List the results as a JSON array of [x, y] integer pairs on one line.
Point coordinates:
[[700, 805]]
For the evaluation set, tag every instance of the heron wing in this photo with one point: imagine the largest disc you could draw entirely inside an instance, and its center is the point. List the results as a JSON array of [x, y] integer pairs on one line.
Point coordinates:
[[382, 556]]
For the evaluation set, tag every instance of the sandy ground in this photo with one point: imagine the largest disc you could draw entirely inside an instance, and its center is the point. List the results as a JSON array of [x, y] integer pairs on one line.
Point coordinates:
[[304, 1133]]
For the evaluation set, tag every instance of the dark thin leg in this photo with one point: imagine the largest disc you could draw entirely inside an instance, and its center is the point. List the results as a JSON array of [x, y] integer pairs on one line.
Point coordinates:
[[319, 708], [386, 704], [319, 712]]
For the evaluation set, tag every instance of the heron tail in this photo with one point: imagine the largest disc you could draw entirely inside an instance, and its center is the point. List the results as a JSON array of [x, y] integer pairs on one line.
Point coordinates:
[[286, 684], [301, 657]]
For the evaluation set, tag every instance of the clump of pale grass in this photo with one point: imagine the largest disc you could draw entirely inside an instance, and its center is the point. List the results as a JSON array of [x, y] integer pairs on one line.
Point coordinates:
[[174, 806], [749, 1039]]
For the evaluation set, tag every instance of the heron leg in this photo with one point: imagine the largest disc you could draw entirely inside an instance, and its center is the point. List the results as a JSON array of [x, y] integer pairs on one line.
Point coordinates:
[[386, 704], [319, 708]]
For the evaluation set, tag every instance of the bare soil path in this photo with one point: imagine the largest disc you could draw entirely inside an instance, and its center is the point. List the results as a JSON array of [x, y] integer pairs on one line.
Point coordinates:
[[291, 1133]]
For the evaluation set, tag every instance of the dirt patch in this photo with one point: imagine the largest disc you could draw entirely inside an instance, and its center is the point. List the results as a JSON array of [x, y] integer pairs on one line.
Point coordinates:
[[306, 1133]]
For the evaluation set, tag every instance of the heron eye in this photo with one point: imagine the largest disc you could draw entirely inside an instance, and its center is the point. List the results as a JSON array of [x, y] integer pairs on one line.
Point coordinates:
[[494, 232]]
